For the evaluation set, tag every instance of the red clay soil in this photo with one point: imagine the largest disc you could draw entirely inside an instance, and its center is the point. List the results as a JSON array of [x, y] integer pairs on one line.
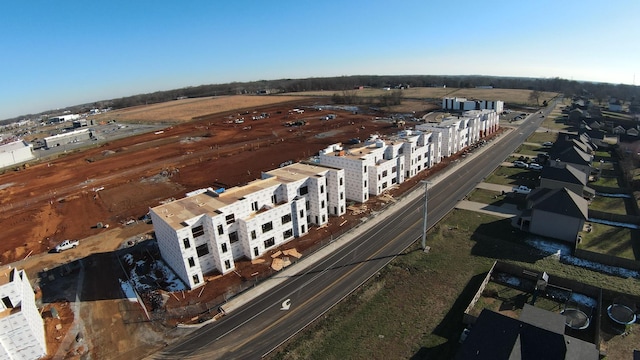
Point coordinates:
[[53, 201]]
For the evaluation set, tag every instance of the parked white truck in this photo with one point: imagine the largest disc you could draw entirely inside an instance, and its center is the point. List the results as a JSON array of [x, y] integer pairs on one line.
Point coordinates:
[[521, 189], [66, 245]]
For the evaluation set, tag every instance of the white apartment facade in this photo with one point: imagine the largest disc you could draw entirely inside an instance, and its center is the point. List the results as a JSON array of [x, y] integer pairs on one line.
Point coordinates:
[[208, 231], [379, 164], [22, 334], [487, 122], [462, 104], [453, 132], [459, 132]]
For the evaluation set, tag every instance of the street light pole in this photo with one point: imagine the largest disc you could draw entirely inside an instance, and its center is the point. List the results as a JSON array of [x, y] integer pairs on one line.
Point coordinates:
[[424, 222]]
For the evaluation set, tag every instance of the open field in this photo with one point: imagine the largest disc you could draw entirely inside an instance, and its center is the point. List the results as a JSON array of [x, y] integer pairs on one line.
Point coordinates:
[[187, 109], [414, 308], [509, 96]]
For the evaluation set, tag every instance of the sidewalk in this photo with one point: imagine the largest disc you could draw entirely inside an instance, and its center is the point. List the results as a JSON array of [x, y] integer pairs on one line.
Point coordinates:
[[243, 298]]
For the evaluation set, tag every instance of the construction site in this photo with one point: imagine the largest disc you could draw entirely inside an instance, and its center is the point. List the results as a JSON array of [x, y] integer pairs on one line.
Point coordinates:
[[100, 195]]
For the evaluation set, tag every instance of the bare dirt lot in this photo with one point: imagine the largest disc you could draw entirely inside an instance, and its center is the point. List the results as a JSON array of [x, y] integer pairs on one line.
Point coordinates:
[[78, 194], [118, 181]]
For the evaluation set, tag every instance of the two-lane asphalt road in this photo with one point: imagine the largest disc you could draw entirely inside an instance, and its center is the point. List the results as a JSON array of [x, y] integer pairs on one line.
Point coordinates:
[[267, 321]]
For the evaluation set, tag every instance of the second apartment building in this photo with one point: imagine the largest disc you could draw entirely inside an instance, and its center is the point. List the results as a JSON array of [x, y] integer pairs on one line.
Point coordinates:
[[378, 164], [208, 231]]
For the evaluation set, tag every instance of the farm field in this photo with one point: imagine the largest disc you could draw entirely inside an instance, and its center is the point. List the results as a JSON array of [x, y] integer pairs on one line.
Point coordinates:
[[184, 110]]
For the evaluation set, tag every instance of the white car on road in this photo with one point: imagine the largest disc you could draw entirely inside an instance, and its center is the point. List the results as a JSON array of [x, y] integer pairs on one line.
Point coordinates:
[[534, 166]]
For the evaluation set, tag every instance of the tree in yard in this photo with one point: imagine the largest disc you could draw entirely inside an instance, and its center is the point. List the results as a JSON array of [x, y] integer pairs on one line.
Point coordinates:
[[535, 95]]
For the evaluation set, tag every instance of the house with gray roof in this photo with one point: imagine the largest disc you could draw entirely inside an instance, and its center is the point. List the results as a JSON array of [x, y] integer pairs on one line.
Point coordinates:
[[566, 176], [555, 213], [537, 334], [573, 155]]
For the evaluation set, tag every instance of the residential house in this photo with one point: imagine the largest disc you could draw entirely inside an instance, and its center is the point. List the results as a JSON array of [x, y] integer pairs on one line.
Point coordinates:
[[570, 152], [566, 176], [555, 213], [537, 334], [615, 105]]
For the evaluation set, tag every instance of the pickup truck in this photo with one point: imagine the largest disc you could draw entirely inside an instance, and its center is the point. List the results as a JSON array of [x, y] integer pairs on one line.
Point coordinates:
[[521, 189], [66, 245]]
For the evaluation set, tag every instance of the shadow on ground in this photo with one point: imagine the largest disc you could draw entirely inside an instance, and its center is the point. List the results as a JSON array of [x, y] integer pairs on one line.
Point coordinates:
[[500, 240], [451, 325]]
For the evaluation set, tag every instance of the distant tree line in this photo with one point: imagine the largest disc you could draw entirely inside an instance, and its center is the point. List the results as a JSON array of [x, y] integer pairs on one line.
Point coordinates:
[[350, 97], [343, 85]]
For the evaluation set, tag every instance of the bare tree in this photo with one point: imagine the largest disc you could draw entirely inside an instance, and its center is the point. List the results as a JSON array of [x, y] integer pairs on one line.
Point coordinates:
[[535, 95]]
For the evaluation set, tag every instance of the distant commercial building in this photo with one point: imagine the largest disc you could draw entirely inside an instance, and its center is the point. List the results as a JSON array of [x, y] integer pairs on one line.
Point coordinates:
[[22, 334], [79, 123], [63, 118], [462, 104], [208, 231], [15, 152], [67, 138]]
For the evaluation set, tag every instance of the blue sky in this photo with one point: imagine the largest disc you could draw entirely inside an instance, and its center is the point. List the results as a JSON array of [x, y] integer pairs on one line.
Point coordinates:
[[61, 53]]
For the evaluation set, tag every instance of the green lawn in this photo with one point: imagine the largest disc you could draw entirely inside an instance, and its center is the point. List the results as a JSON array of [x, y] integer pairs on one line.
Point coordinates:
[[542, 137], [609, 204], [610, 240], [530, 149], [485, 196], [513, 176], [603, 154], [607, 165], [617, 115], [555, 122], [607, 181], [413, 308], [498, 297]]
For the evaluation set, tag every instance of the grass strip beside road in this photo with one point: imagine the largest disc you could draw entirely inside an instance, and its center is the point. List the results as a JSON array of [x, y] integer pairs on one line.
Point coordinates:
[[414, 306]]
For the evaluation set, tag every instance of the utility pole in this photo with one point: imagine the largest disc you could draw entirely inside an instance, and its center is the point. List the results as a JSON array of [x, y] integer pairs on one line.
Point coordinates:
[[424, 222]]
